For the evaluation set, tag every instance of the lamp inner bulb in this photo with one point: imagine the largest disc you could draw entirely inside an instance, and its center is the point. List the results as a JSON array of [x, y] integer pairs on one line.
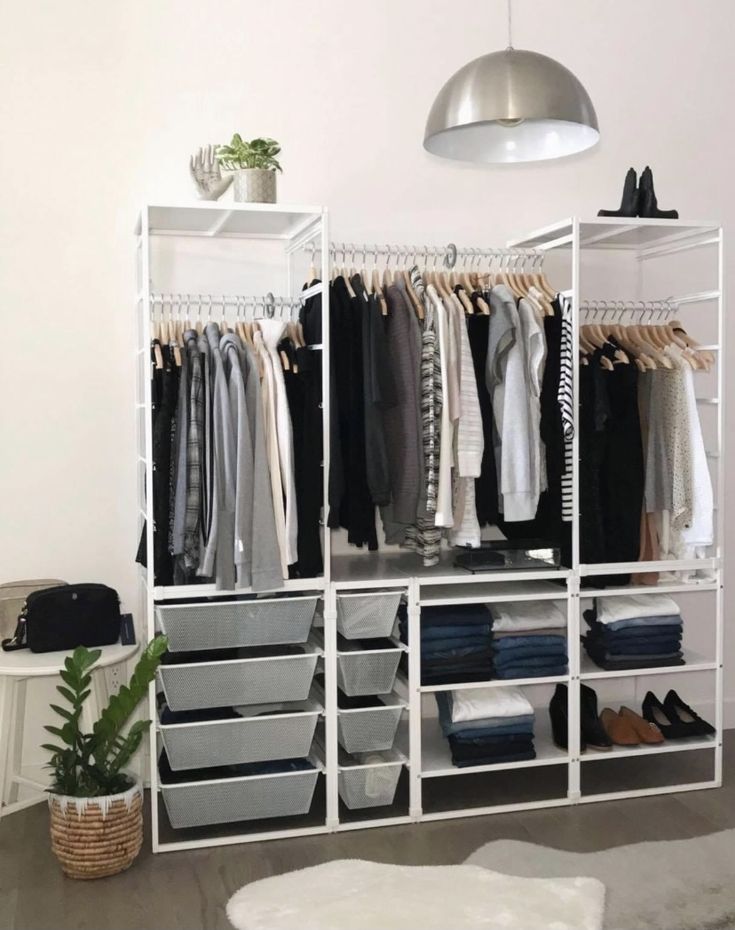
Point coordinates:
[[510, 123]]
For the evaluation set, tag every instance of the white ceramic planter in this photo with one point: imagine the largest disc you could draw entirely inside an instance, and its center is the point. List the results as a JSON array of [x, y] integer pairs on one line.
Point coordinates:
[[255, 185]]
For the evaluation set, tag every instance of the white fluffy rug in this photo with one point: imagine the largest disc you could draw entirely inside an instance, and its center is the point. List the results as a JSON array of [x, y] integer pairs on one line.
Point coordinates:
[[670, 885], [350, 894]]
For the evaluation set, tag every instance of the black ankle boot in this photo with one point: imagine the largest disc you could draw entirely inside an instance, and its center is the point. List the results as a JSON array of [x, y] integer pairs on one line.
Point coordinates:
[[593, 732], [559, 714], [629, 203], [647, 202]]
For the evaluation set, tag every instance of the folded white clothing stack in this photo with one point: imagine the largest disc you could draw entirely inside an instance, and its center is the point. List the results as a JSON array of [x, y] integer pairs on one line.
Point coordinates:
[[481, 703], [528, 615], [634, 606]]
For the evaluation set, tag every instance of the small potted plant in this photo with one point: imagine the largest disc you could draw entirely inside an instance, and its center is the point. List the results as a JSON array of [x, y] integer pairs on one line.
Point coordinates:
[[254, 165], [96, 807]]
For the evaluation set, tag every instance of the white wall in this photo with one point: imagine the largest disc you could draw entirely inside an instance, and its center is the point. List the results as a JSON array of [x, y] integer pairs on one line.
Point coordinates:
[[102, 103]]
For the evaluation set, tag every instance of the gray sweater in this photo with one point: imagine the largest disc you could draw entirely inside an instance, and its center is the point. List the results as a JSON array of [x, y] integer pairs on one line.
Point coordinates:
[[217, 558], [256, 555]]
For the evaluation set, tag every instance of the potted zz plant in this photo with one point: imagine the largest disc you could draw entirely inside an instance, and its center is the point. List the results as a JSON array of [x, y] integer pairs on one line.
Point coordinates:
[[96, 807], [254, 165]]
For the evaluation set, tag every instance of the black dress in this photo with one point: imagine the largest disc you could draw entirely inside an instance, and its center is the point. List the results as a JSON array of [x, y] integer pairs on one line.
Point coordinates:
[[611, 465], [350, 503], [486, 486]]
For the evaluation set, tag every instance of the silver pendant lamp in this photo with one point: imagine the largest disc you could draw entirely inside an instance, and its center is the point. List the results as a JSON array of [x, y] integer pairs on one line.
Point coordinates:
[[511, 106]]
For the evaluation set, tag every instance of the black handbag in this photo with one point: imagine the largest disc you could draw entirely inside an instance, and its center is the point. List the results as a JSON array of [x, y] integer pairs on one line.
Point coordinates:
[[67, 616]]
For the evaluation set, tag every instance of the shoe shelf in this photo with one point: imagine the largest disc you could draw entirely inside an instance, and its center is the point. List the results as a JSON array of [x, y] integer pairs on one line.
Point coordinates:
[[674, 745]]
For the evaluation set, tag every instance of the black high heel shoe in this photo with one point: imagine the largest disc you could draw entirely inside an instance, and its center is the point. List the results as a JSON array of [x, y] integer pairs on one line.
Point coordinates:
[[648, 204], [677, 710], [630, 201], [594, 734], [655, 712]]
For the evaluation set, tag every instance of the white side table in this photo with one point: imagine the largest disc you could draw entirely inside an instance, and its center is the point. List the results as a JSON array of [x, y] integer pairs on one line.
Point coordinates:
[[16, 668]]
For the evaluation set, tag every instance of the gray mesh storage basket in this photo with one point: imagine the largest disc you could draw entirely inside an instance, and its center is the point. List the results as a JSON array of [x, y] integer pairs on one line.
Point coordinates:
[[368, 672], [234, 624], [372, 785], [196, 685], [244, 738], [368, 729], [254, 797], [367, 616]]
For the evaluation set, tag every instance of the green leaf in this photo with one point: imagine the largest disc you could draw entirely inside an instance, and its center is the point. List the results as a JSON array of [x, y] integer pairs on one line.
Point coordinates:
[[65, 692], [62, 712], [57, 731], [69, 678]]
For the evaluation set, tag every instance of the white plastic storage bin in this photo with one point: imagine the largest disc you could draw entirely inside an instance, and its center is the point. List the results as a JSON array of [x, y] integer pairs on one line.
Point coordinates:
[[252, 797], [235, 624], [370, 728], [368, 671], [367, 616], [256, 734], [194, 685], [372, 784]]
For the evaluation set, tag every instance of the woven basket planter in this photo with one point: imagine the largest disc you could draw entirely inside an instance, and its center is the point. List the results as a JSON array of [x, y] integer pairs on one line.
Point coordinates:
[[96, 837]]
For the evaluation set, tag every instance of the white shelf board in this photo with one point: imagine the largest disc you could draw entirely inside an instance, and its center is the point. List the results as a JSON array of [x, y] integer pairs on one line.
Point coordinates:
[[662, 587], [436, 756], [230, 220], [495, 683], [694, 663], [389, 567], [178, 592], [493, 592], [667, 565], [626, 233], [628, 752]]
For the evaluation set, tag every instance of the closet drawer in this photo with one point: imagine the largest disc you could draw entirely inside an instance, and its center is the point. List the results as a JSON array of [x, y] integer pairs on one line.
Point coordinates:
[[369, 671], [259, 736], [253, 797], [194, 685], [233, 624], [367, 616], [371, 728], [372, 784]]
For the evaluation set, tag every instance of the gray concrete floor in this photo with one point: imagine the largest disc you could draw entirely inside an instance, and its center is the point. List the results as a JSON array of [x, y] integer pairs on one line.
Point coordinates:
[[189, 890]]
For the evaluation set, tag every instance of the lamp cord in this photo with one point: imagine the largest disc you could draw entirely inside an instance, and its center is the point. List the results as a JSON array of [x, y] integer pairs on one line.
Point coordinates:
[[510, 25]]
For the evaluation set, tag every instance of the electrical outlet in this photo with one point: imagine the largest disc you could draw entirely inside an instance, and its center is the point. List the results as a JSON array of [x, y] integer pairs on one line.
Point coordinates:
[[114, 679]]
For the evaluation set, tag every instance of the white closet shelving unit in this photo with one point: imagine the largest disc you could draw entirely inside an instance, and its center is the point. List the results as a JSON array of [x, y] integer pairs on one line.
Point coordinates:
[[430, 787]]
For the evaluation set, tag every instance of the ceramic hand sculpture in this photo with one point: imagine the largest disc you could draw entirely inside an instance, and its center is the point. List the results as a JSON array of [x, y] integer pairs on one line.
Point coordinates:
[[207, 174]]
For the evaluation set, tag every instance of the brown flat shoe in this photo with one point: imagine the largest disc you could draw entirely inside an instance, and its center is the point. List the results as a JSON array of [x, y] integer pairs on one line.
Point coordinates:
[[619, 729], [647, 732]]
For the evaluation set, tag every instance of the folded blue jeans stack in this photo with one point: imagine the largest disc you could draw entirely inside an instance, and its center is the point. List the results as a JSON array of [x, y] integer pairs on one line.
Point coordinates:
[[529, 640], [455, 643], [634, 631], [494, 725]]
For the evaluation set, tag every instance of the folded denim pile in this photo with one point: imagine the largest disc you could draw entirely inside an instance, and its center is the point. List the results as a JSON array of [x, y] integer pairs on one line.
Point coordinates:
[[634, 631], [455, 643], [529, 639], [487, 726]]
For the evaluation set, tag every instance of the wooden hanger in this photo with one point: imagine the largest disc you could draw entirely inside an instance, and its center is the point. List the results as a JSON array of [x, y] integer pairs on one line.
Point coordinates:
[[691, 344]]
